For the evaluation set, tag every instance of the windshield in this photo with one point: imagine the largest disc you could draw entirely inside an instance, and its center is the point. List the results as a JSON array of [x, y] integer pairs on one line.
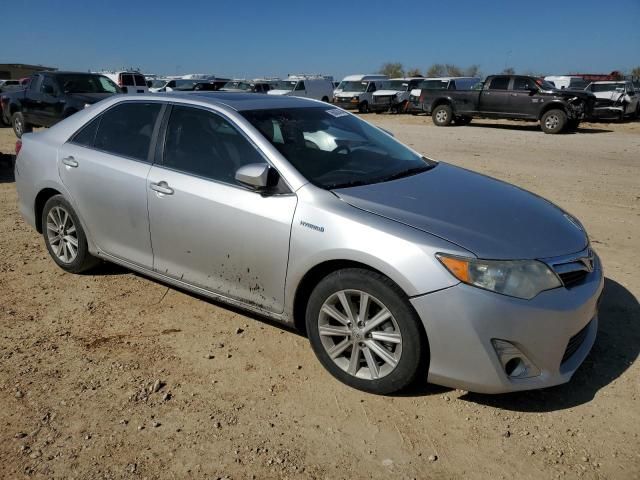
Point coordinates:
[[396, 85], [236, 85], [434, 84], [87, 84], [285, 85], [185, 84], [353, 86], [545, 85], [607, 87], [158, 83], [334, 149]]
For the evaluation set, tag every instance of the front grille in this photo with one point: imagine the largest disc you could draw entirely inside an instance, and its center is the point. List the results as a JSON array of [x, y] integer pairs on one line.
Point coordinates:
[[386, 99], [573, 269], [569, 279], [575, 342]]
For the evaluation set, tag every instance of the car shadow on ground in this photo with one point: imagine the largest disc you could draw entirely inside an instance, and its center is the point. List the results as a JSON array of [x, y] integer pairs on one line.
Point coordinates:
[[616, 348], [6, 168], [534, 127]]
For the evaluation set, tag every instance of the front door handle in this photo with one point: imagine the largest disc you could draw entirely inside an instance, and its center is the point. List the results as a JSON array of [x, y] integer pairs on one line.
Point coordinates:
[[70, 162], [162, 187]]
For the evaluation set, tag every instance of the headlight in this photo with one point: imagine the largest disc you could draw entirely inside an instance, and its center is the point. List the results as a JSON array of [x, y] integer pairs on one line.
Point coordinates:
[[516, 278]]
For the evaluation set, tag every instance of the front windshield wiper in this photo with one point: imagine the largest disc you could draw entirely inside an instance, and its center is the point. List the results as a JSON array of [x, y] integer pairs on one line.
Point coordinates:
[[407, 173], [352, 183]]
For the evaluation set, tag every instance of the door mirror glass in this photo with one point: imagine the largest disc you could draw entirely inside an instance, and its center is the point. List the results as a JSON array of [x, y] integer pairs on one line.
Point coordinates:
[[256, 175]]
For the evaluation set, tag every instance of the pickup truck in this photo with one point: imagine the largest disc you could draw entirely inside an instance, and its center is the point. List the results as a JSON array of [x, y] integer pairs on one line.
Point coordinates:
[[515, 97], [53, 96]]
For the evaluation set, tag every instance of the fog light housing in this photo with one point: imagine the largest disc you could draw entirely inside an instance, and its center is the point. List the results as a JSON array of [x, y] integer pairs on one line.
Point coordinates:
[[514, 362]]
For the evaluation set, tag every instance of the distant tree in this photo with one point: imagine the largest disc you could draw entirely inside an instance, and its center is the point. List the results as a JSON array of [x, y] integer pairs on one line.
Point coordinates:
[[509, 71], [437, 70], [635, 72], [453, 70], [414, 72], [472, 71], [392, 69]]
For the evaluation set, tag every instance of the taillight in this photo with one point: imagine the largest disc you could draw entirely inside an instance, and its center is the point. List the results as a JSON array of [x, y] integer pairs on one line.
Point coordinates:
[[18, 146]]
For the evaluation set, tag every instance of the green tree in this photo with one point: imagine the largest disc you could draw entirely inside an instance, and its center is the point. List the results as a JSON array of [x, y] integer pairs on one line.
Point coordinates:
[[414, 72], [392, 69]]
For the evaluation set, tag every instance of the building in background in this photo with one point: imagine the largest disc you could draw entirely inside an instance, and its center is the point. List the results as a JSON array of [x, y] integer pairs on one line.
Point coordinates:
[[10, 71]]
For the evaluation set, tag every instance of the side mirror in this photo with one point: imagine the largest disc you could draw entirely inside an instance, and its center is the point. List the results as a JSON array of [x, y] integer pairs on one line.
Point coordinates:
[[533, 91], [258, 176]]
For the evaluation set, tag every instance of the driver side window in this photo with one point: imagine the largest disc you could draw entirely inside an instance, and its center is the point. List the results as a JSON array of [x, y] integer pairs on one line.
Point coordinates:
[[300, 86], [371, 87]]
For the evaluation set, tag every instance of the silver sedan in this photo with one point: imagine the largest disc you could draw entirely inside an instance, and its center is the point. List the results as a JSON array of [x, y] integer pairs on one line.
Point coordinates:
[[399, 268]]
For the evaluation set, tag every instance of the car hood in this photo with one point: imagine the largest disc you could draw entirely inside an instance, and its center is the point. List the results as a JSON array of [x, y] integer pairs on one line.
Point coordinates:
[[569, 93], [491, 218], [386, 92], [344, 94], [279, 92], [89, 97]]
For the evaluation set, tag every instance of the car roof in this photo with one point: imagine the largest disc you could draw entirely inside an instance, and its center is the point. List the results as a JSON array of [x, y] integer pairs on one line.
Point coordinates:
[[239, 101]]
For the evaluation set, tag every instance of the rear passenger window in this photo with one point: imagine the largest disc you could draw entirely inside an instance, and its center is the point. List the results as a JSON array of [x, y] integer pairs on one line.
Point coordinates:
[[140, 81], [87, 135], [205, 144], [126, 129], [499, 83]]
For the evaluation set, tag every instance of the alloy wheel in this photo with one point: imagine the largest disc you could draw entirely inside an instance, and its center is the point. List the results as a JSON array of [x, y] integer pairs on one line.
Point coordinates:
[[551, 122], [62, 234], [441, 116], [360, 334]]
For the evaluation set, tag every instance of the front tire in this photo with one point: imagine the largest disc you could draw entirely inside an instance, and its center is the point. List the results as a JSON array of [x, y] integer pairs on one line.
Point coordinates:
[[363, 107], [364, 331], [442, 115], [554, 121], [20, 126], [64, 237]]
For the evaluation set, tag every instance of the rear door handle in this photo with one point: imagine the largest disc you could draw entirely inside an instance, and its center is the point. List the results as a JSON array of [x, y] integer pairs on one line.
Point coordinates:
[[162, 187], [70, 162]]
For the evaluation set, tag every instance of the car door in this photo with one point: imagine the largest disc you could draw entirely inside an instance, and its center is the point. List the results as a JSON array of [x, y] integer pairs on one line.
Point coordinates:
[[51, 104], [32, 101], [524, 98], [207, 229], [104, 167], [495, 97]]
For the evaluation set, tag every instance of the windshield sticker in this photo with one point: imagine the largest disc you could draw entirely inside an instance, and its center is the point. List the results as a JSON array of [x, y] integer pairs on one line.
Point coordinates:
[[336, 112]]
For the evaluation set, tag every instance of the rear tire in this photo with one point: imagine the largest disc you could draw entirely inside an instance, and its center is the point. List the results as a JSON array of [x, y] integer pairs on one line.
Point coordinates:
[[442, 115], [553, 121], [20, 126], [64, 237], [384, 358]]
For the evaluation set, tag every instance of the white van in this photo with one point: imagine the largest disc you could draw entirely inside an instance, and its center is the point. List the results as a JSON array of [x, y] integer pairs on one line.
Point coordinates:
[[567, 81], [129, 82], [319, 87], [356, 91]]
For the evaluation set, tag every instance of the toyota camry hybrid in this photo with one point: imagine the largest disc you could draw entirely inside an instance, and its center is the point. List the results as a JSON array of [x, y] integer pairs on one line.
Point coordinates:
[[398, 267]]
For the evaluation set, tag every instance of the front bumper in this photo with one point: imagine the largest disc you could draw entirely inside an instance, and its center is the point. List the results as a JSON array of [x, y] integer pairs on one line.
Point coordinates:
[[461, 321], [347, 105]]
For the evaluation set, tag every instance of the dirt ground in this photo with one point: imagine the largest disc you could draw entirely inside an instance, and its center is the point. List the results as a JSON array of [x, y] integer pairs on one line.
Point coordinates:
[[113, 375]]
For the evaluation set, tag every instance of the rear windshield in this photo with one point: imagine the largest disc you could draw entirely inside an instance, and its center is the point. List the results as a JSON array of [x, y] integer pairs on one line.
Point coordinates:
[[74, 83]]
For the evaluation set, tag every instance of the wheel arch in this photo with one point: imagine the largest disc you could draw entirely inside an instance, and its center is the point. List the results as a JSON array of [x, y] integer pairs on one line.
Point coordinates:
[[41, 198], [315, 274], [443, 101], [553, 106]]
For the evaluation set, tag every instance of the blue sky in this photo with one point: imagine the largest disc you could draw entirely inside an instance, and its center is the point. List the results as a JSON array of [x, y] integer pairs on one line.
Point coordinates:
[[271, 37]]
